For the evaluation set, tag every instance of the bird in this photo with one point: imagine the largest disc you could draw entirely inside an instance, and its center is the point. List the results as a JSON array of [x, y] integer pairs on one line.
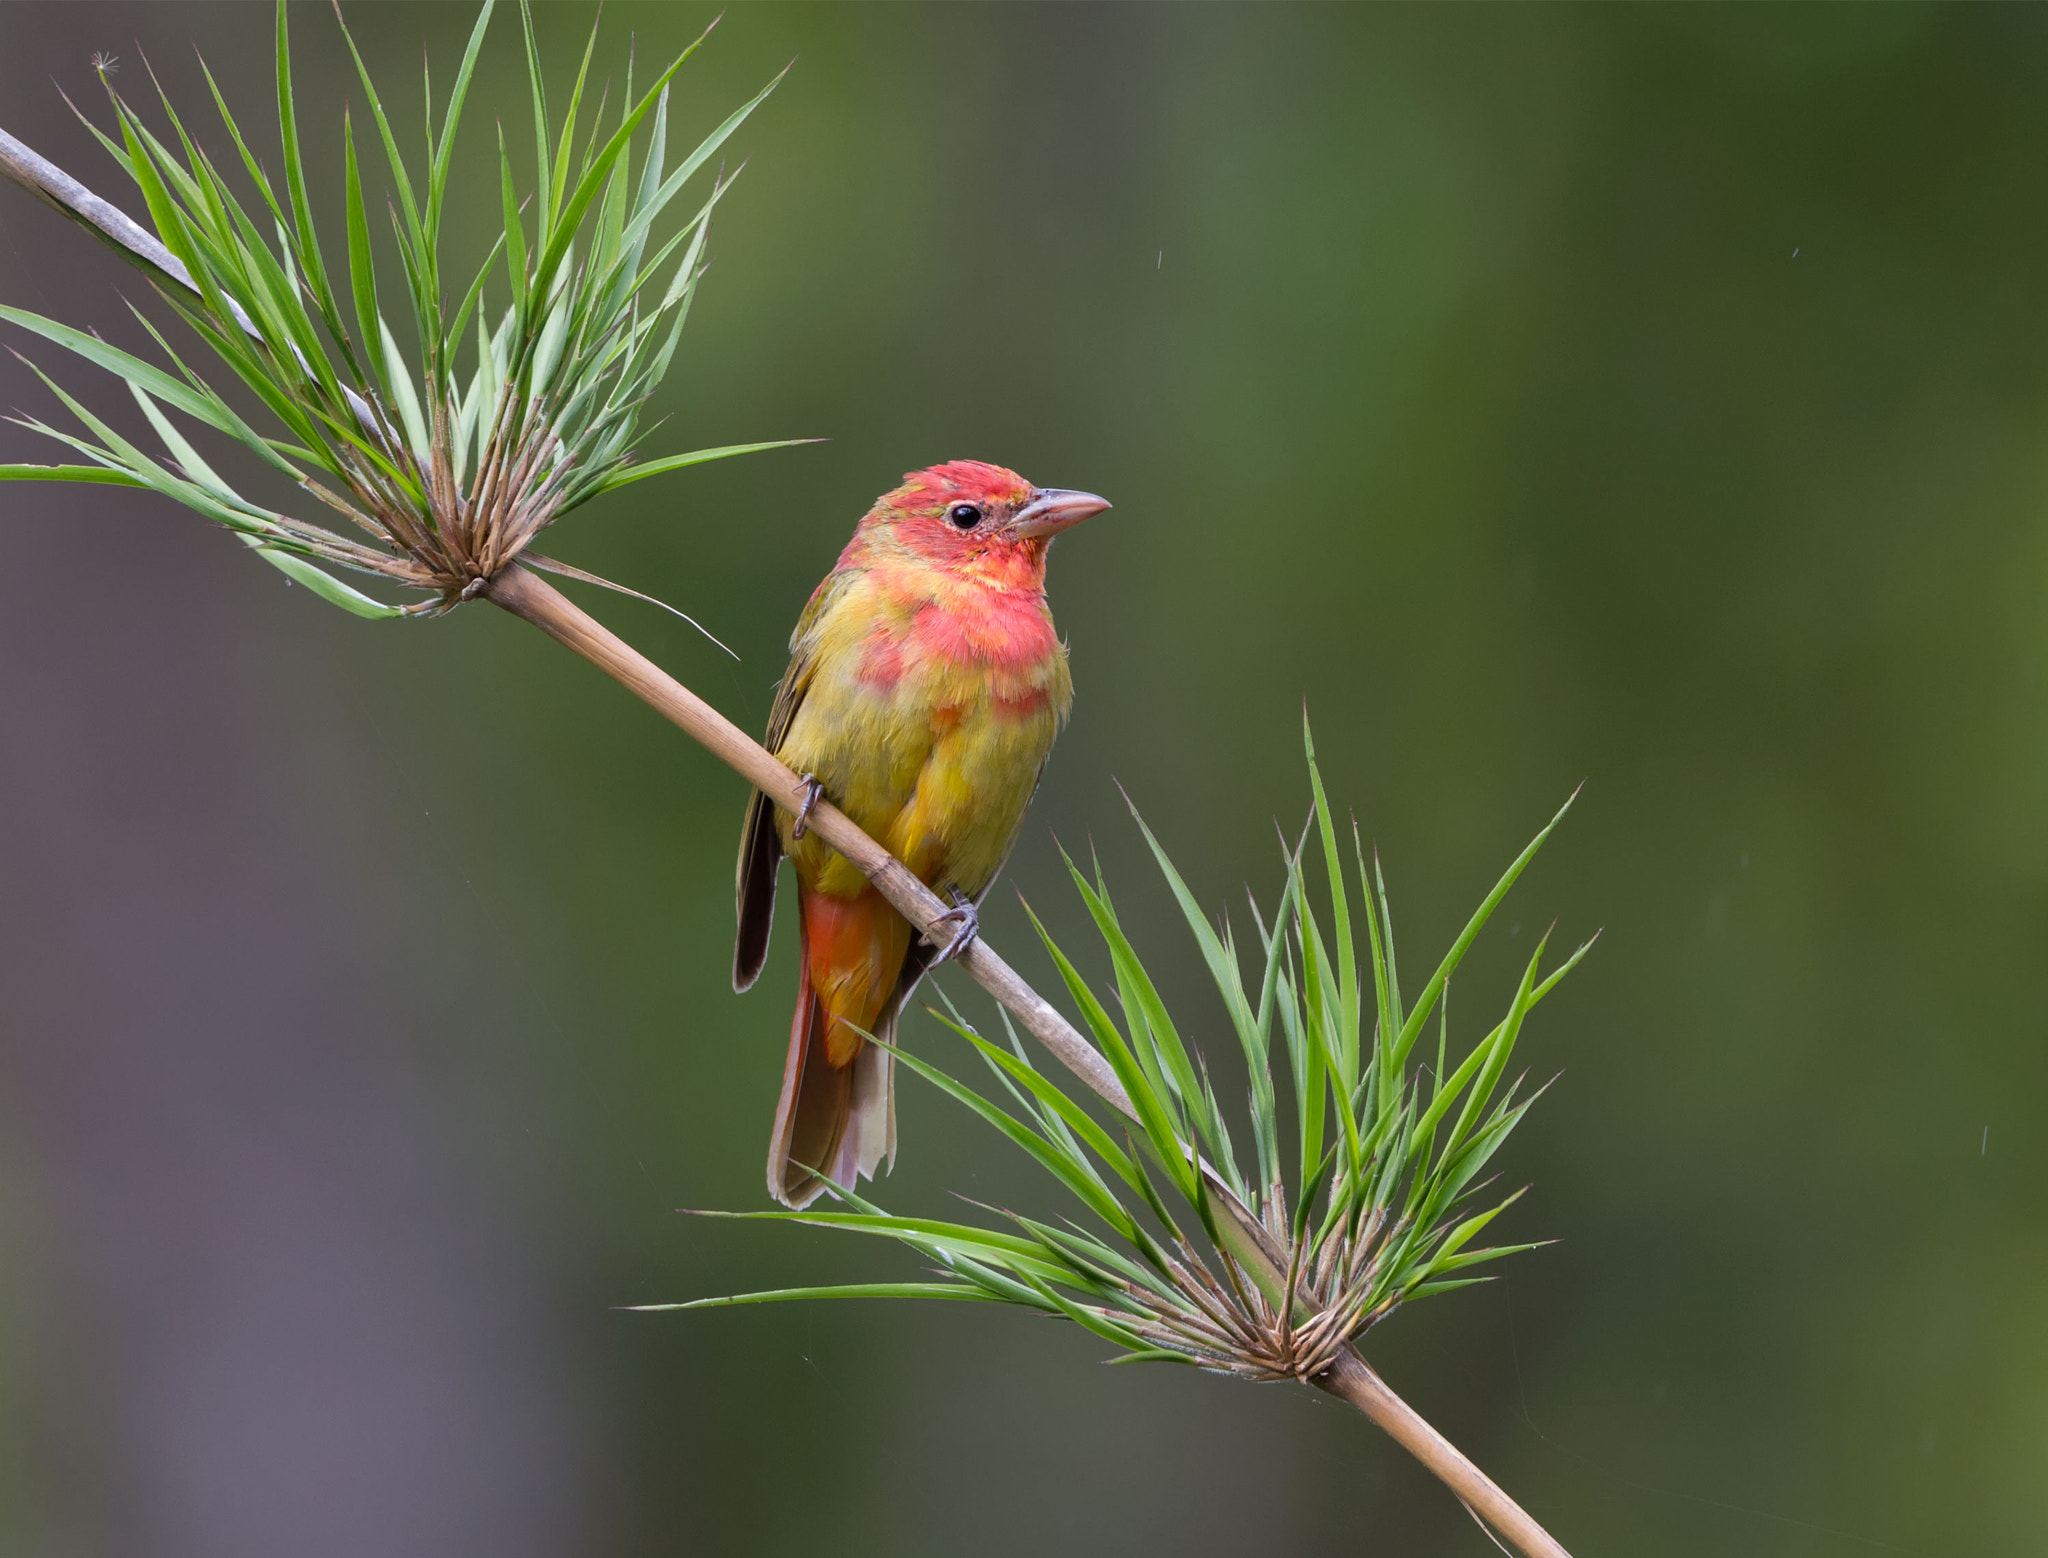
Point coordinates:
[[925, 686]]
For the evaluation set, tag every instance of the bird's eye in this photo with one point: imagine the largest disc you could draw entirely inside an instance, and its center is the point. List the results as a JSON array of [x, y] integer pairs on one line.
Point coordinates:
[[963, 516]]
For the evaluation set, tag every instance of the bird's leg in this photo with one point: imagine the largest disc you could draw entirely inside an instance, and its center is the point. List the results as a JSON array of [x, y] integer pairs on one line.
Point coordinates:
[[966, 922], [814, 791]]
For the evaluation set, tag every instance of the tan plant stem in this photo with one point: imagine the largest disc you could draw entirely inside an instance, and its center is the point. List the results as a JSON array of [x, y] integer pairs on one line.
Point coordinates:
[[1354, 1380], [1350, 1378], [527, 596]]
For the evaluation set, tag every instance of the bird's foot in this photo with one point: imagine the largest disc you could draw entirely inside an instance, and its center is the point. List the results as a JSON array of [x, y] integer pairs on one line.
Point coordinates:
[[814, 791], [966, 922]]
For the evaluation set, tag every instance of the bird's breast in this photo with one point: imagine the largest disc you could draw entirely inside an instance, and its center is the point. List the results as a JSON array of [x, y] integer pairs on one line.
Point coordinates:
[[929, 719]]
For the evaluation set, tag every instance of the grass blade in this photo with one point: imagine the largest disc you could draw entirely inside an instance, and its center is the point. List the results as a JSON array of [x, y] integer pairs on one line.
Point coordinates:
[[1412, 1028], [845, 1290]]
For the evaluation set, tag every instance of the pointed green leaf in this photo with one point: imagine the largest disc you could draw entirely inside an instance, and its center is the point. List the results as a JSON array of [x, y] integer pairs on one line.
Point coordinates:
[[1413, 1027], [677, 462], [846, 1290], [85, 473]]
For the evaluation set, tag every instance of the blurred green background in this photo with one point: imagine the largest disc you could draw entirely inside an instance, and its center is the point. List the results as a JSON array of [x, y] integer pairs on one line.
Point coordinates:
[[1653, 397]]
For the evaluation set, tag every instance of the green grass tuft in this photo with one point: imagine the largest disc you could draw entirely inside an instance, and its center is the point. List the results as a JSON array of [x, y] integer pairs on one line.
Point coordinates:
[[1371, 1194], [443, 477]]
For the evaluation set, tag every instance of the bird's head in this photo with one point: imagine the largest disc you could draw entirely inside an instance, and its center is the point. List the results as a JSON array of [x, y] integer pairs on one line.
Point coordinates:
[[970, 518]]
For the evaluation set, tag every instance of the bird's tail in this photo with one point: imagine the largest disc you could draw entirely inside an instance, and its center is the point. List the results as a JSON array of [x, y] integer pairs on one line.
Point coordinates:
[[836, 1119]]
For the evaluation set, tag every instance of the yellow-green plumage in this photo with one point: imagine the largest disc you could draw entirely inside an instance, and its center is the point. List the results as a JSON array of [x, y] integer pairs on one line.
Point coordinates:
[[937, 765], [925, 687]]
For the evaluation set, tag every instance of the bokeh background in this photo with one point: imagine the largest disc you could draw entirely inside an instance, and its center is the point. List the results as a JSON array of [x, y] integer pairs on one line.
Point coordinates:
[[1653, 397]]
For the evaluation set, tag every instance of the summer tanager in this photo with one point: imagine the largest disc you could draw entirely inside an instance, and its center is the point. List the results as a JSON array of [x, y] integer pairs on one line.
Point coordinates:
[[924, 689]]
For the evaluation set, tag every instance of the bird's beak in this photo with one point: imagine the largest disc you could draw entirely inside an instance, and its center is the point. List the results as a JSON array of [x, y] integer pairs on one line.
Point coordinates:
[[1051, 510]]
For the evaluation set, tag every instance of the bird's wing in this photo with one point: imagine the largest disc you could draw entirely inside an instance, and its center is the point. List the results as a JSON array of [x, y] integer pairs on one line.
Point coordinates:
[[760, 845]]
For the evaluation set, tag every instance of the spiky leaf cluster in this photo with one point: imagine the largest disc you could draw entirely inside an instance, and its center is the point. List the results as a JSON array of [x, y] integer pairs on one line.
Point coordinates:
[[1361, 1201], [444, 472]]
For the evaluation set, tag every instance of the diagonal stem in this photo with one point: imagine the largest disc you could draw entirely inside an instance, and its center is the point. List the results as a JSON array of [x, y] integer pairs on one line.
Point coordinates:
[[526, 595], [1354, 1380]]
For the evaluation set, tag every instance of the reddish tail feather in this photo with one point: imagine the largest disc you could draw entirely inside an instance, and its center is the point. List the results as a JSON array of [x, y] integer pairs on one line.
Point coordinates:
[[832, 1122]]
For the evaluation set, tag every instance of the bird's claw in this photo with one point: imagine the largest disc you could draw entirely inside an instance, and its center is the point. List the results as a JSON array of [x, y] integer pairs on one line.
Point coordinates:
[[814, 791], [966, 922]]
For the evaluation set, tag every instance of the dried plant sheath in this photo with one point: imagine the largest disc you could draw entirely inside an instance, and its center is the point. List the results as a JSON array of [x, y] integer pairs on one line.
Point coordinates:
[[63, 193]]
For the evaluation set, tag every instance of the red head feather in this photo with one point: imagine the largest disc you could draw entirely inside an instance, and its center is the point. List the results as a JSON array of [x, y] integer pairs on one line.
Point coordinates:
[[969, 481], [971, 520]]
